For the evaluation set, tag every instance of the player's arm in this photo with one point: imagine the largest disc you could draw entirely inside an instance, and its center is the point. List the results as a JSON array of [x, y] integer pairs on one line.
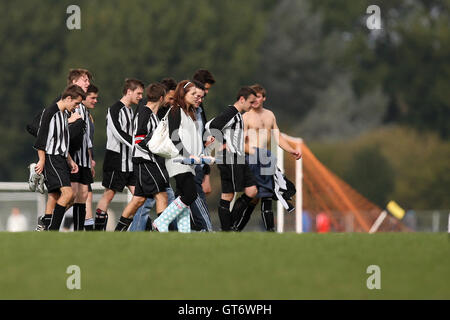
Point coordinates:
[[87, 133], [283, 143], [41, 163], [217, 125], [44, 128], [90, 145], [42, 137], [206, 184], [246, 138], [72, 164], [221, 121], [114, 125], [91, 159]]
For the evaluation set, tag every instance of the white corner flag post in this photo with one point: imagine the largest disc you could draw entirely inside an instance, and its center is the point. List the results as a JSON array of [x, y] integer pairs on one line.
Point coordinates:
[[280, 209], [299, 196], [393, 208], [378, 222], [298, 187]]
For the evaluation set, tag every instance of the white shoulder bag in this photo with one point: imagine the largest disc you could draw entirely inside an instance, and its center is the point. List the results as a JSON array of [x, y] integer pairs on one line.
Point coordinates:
[[160, 142]]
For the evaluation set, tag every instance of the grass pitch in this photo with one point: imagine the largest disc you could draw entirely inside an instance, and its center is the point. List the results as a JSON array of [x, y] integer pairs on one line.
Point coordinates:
[[251, 265]]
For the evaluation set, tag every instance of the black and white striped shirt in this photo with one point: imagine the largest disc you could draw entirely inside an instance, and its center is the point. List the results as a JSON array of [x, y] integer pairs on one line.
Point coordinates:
[[231, 125], [53, 134], [81, 157], [145, 122], [119, 144]]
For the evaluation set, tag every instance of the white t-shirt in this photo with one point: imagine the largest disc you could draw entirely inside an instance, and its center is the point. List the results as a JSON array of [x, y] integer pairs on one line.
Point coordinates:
[[192, 141]]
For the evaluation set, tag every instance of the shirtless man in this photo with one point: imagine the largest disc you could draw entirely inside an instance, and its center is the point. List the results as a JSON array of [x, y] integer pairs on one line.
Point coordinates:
[[260, 126]]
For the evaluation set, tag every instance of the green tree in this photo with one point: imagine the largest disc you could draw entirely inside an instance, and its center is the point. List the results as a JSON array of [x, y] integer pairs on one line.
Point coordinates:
[[408, 57], [340, 114], [294, 66], [148, 40], [32, 51]]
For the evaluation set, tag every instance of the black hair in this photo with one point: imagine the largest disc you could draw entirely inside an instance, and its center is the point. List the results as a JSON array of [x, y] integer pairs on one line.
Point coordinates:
[[169, 84], [204, 76], [198, 84], [245, 92]]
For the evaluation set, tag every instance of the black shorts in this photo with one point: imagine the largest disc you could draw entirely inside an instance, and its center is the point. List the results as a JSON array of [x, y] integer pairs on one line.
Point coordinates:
[[235, 177], [83, 176], [150, 179], [117, 180], [56, 173], [89, 188]]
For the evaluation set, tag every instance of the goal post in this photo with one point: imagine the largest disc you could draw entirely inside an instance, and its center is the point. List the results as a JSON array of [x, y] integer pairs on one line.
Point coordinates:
[[295, 143]]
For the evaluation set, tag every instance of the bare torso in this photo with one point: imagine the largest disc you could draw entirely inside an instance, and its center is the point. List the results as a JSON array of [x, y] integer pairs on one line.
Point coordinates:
[[259, 125]]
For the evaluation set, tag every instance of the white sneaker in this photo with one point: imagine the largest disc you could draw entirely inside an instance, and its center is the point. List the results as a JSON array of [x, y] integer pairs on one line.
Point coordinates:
[[40, 184], [33, 179]]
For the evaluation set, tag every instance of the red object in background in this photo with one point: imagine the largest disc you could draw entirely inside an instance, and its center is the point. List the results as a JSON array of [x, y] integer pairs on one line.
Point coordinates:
[[322, 223]]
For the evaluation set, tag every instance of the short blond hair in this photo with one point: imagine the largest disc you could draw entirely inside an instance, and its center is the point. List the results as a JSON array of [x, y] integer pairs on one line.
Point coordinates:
[[259, 89], [75, 74]]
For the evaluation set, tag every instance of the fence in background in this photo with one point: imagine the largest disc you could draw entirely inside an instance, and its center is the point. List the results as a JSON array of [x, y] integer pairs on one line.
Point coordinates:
[[32, 204]]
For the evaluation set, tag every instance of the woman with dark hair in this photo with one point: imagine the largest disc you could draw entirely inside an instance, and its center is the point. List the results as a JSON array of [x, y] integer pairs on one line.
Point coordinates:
[[186, 137]]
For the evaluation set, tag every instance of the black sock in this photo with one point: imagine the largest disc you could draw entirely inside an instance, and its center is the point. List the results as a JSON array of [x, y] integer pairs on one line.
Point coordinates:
[[82, 213], [245, 217], [225, 215], [101, 219], [75, 216], [267, 214], [238, 209], [123, 224], [57, 217], [79, 215]]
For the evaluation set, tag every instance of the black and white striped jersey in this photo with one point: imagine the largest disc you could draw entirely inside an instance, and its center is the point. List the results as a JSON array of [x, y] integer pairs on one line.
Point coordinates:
[[231, 126], [145, 122], [53, 134], [119, 144], [81, 157]]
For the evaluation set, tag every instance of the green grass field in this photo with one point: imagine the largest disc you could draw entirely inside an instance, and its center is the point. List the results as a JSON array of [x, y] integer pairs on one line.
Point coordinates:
[[252, 265]]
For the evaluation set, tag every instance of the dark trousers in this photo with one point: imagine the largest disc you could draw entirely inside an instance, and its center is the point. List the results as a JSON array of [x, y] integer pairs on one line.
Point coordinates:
[[200, 219], [186, 187]]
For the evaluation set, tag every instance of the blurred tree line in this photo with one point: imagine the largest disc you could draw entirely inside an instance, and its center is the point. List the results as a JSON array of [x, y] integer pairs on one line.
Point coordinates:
[[393, 163], [317, 59]]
